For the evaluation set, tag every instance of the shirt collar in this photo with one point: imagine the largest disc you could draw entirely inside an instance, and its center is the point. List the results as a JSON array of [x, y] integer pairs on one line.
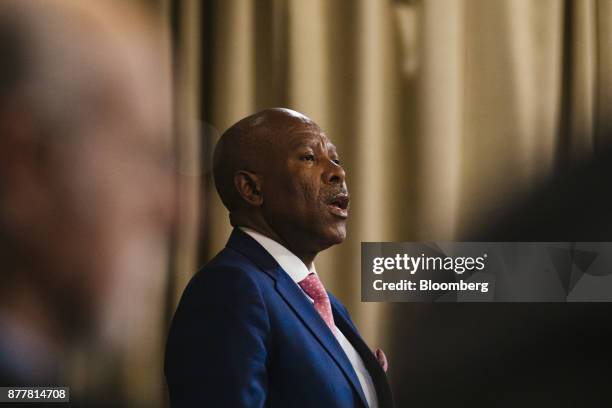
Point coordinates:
[[290, 263]]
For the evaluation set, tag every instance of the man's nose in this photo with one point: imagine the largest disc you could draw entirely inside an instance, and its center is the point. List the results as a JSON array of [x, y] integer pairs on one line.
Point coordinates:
[[334, 173]]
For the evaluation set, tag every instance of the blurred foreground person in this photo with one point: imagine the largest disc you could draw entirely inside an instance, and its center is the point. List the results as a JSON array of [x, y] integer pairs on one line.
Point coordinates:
[[85, 186], [575, 205], [520, 354]]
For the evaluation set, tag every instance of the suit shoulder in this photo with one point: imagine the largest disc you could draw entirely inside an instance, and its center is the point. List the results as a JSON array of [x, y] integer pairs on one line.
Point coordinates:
[[228, 258], [228, 272]]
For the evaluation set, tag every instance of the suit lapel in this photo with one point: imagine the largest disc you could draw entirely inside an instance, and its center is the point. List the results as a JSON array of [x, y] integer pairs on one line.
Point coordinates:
[[301, 306], [379, 377]]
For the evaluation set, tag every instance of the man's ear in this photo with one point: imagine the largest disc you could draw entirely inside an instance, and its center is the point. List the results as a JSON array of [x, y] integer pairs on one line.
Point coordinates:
[[249, 187]]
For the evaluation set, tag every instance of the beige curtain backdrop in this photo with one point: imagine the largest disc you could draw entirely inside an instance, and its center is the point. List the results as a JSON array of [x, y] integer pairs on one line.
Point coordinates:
[[441, 110]]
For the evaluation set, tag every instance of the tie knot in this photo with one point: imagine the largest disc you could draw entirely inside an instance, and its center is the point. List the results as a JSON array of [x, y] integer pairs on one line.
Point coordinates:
[[313, 287]]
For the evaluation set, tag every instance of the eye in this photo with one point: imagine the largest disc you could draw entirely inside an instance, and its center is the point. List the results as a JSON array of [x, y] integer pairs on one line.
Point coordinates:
[[337, 161], [307, 157]]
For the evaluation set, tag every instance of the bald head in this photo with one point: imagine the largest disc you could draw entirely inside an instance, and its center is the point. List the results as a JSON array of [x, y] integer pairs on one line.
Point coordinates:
[[249, 144]]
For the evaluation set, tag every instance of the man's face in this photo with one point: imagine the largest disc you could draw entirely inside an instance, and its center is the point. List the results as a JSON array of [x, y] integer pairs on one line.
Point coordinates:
[[305, 194]]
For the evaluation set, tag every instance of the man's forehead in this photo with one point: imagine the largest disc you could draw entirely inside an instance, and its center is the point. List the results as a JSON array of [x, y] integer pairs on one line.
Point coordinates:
[[309, 136]]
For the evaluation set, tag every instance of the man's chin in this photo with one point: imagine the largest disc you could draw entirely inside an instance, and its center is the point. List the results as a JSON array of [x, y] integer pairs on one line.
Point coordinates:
[[335, 235]]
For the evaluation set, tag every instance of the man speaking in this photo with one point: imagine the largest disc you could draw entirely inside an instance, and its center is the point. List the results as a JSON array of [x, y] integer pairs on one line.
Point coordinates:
[[255, 327]]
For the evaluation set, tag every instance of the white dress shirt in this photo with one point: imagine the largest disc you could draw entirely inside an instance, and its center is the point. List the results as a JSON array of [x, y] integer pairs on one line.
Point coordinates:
[[297, 270]]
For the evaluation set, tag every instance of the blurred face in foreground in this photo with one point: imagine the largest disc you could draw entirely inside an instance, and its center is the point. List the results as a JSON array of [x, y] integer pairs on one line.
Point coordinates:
[[87, 186]]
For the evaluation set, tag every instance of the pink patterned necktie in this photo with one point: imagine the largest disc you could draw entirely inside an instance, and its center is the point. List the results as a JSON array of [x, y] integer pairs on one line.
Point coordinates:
[[315, 289]]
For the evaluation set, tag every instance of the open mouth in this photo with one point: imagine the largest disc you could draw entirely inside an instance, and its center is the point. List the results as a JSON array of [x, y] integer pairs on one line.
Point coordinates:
[[338, 205]]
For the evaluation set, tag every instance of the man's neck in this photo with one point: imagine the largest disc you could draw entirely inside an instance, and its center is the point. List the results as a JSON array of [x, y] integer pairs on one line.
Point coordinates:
[[264, 229]]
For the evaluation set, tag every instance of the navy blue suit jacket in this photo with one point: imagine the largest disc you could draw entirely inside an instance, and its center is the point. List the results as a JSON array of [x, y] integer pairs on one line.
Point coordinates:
[[244, 335]]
